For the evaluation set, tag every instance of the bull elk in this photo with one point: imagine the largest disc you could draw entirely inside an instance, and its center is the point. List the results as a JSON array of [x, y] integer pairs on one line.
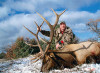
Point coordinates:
[[68, 56]]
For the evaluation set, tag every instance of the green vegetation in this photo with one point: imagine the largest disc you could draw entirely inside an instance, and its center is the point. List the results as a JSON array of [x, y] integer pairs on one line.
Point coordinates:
[[19, 49], [2, 55]]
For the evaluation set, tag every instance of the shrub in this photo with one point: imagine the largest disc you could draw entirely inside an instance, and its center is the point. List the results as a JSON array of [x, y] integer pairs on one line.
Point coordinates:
[[2, 55], [19, 49], [53, 45]]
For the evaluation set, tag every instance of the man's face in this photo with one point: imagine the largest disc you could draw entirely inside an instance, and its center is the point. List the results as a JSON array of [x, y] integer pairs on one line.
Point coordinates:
[[62, 26]]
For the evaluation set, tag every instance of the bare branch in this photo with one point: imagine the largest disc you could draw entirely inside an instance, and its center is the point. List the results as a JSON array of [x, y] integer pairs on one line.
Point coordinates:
[[93, 25], [97, 20]]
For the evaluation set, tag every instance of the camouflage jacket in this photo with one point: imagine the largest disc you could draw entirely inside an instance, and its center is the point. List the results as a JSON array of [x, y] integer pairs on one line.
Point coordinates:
[[67, 37]]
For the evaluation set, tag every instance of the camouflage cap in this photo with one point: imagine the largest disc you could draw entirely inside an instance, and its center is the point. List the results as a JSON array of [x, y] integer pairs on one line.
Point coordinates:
[[63, 22]]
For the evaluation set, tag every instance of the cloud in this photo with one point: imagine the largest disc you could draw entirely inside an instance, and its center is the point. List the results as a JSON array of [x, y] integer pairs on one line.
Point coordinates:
[[12, 27], [11, 6], [13, 16], [77, 21], [46, 4], [4, 11]]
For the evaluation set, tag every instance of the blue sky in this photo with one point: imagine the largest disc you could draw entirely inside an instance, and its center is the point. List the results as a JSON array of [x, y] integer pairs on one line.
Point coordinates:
[[16, 13]]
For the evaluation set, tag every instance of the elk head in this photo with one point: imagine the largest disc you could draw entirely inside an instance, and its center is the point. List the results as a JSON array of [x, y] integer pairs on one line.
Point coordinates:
[[48, 62], [44, 55]]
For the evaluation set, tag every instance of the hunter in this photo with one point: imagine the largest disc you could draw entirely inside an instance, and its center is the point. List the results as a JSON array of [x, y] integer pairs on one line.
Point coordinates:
[[63, 35]]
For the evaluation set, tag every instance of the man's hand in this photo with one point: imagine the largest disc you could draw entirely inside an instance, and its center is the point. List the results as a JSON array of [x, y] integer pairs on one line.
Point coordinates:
[[58, 45], [39, 29]]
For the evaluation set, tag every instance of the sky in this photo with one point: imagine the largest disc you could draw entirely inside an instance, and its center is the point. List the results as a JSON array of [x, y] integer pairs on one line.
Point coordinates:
[[16, 13]]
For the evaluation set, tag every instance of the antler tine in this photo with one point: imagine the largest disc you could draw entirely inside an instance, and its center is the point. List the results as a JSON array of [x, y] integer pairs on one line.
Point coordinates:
[[62, 12], [39, 44], [54, 11], [38, 58], [42, 24], [31, 44], [43, 40], [29, 31], [51, 27], [36, 24], [35, 61], [37, 55], [57, 17]]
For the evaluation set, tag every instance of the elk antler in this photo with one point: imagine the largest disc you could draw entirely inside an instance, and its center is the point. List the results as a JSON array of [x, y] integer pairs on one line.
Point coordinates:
[[52, 28], [31, 44], [36, 35]]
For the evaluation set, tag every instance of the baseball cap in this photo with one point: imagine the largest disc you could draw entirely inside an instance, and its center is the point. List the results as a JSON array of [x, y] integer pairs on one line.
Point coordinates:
[[63, 22]]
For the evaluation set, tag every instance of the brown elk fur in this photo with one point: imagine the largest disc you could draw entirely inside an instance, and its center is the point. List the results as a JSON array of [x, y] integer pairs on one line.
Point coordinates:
[[82, 54]]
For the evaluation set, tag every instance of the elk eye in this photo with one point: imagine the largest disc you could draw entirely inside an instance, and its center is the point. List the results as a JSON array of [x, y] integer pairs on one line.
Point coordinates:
[[51, 56]]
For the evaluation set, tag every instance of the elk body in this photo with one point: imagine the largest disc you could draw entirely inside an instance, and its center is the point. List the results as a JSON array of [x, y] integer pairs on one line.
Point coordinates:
[[84, 50], [68, 55]]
